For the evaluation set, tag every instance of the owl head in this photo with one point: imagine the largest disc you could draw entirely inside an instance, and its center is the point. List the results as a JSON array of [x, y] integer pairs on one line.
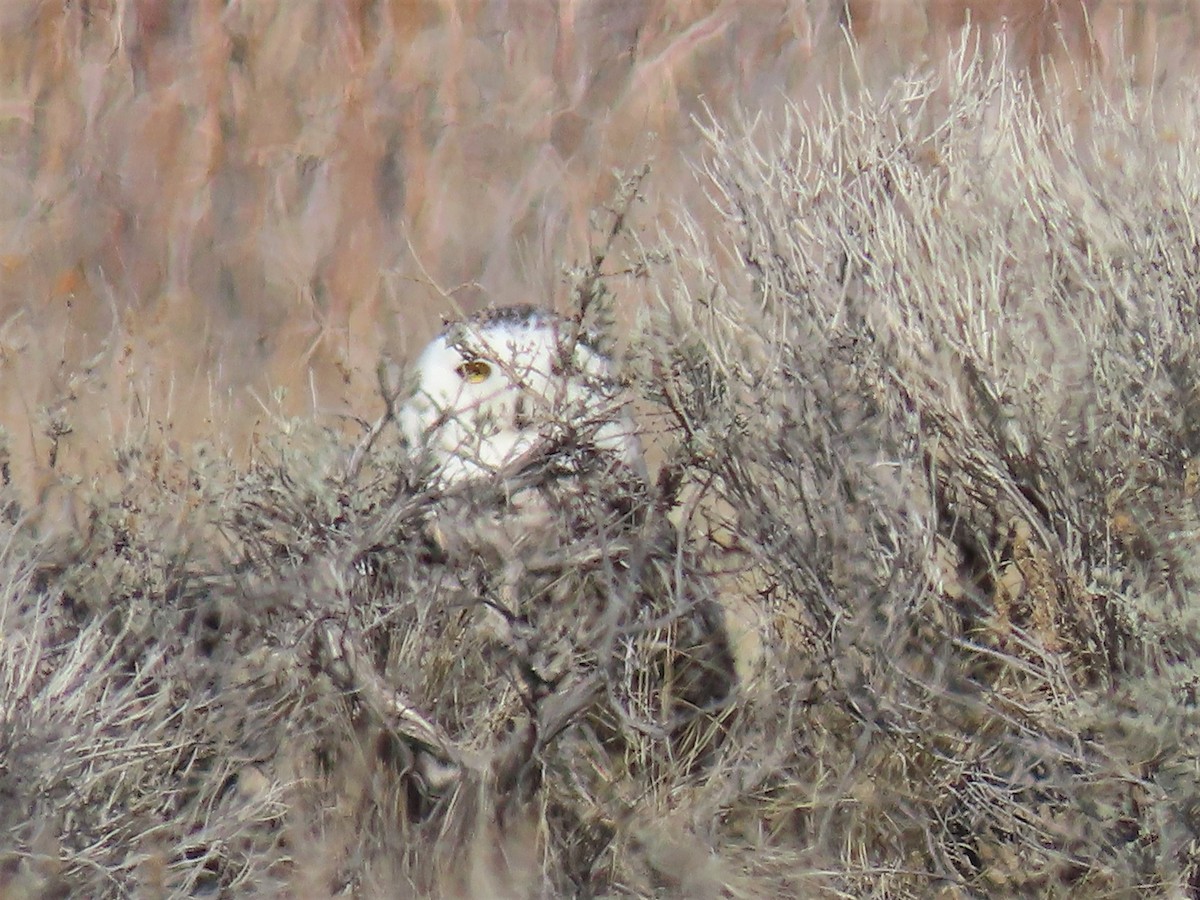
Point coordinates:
[[491, 388]]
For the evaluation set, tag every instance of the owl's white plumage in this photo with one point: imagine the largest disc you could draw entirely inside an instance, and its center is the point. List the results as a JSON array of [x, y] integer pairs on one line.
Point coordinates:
[[580, 576], [491, 388]]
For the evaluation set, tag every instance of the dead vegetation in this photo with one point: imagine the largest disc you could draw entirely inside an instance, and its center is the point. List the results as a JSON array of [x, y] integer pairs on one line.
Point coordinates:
[[921, 375]]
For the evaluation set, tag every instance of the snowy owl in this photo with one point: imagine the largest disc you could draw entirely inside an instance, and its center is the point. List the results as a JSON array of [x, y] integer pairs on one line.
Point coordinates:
[[544, 519], [493, 388]]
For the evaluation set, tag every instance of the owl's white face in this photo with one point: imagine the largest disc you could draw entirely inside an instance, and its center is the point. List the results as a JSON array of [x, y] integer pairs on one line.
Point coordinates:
[[491, 387]]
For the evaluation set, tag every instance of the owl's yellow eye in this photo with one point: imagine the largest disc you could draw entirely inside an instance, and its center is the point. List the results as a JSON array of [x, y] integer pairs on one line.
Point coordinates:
[[474, 371]]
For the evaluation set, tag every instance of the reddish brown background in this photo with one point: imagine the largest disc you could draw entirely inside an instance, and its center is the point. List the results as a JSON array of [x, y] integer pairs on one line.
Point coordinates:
[[203, 202]]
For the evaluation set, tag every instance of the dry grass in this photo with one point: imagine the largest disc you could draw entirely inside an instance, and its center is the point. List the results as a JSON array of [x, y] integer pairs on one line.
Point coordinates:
[[918, 357]]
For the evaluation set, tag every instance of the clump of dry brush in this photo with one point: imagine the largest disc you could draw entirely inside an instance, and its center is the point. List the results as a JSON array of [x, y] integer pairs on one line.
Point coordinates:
[[942, 368], [325, 672], [926, 384]]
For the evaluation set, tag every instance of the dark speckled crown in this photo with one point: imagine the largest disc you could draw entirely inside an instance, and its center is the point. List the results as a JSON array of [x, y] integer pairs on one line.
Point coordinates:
[[524, 315]]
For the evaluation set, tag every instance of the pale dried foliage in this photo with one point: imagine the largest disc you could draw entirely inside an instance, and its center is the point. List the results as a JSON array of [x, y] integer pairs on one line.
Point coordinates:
[[918, 363], [940, 371]]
